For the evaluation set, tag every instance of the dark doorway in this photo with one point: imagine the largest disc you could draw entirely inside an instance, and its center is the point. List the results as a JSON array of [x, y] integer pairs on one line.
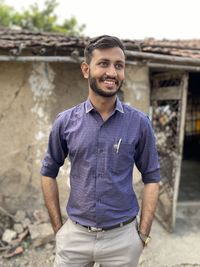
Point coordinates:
[[190, 170]]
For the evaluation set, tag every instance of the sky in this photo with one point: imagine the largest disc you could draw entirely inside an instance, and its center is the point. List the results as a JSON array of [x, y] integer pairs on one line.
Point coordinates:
[[130, 19]]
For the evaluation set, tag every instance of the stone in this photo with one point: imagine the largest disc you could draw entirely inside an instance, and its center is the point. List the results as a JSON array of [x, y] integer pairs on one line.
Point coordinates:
[[18, 228], [8, 236], [20, 216], [26, 222], [52, 258], [41, 233], [49, 246], [41, 216]]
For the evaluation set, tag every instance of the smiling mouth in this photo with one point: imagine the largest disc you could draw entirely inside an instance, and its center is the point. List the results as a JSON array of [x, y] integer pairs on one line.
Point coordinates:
[[109, 82]]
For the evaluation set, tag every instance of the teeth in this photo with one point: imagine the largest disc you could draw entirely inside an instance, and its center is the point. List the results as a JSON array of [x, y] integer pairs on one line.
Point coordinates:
[[110, 82]]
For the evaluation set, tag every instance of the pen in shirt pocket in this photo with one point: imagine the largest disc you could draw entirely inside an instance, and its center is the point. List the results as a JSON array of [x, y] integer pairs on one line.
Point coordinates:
[[117, 146]]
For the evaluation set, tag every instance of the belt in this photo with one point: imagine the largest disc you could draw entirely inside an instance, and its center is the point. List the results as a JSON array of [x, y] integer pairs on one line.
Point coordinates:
[[97, 229]]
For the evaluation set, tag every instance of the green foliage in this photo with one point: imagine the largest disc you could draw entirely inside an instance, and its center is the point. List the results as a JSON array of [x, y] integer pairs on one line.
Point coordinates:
[[6, 13], [35, 19]]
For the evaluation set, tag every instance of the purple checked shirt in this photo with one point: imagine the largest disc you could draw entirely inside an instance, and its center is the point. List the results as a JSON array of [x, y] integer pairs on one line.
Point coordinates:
[[102, 156]]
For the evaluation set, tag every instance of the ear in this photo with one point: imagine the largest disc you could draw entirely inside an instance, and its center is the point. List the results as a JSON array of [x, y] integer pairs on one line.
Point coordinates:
[[85, 70]]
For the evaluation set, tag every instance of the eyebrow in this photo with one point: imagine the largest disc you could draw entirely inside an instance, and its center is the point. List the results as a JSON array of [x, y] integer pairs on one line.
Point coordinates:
[[108, 60]]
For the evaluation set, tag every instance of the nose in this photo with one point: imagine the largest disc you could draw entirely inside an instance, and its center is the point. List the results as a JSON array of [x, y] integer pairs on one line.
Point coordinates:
[[111, 71]]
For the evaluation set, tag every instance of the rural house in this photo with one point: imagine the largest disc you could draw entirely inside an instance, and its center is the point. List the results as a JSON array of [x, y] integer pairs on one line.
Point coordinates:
[[40, 76]]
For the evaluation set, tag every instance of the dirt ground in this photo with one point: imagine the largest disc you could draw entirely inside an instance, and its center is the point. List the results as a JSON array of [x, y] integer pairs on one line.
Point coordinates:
[[178, 249]]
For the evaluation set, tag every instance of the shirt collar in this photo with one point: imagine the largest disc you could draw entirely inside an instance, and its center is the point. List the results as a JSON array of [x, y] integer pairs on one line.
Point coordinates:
[[119, 106], [89, 106]]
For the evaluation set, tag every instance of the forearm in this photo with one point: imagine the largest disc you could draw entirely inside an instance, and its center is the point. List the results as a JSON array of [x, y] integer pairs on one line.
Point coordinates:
[[149, 202], [51, 198]]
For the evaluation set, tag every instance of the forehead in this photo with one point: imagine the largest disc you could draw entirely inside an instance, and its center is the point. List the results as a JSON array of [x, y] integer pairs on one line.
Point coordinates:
[[112, 54]]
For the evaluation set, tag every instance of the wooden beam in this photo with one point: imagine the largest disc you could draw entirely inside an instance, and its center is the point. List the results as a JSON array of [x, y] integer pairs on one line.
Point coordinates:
[[41, 59], [164, 66], [188, 203], [174, 67], [166, 93], [165, 58]]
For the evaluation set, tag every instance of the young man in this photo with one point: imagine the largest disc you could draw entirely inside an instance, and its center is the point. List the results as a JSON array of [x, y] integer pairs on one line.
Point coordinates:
[[103, 138]]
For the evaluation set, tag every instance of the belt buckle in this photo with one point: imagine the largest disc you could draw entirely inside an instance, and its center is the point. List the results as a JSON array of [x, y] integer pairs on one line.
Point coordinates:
[[94, 229]]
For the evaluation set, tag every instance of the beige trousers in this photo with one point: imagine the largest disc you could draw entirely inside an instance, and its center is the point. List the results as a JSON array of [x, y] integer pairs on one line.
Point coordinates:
[[76, 247]]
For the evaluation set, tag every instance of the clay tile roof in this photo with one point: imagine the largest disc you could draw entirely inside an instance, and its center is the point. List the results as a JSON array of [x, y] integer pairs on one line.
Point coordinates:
[[18, 41], [38, 43]]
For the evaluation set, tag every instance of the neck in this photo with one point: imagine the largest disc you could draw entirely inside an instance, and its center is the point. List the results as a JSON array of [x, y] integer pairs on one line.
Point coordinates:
[[104, 105]]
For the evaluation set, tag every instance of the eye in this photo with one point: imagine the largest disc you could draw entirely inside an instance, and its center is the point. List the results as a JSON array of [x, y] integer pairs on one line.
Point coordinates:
[[119, 66], [103, 64]]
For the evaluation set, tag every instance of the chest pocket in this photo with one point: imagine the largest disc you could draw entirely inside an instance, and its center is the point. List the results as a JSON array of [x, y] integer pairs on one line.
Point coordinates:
[[123, 159]]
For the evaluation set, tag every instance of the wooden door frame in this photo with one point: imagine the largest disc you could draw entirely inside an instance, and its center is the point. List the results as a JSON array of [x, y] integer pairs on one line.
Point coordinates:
[[180, 95]]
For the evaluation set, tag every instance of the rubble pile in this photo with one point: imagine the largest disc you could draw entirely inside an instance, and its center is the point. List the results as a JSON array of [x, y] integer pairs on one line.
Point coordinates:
[[18, 232]]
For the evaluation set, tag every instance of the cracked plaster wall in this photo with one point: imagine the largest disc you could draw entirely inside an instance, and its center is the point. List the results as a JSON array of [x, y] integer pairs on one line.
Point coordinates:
[[137, 87], [31, 96], [137, 94]]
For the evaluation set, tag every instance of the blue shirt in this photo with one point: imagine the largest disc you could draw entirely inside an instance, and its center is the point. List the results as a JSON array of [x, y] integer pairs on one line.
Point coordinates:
[[102, 156]]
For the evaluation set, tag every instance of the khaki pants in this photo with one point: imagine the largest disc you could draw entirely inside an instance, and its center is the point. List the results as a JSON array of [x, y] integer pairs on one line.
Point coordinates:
[[77, 247]]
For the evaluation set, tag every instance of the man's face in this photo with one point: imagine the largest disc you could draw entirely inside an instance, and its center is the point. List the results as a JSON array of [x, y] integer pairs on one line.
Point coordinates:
[[106, 71]]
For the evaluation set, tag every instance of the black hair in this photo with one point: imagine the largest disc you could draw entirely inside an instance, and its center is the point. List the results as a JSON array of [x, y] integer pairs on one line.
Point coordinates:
[[101, 42]]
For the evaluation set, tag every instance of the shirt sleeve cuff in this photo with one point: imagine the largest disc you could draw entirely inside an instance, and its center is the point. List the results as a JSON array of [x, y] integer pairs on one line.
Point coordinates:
[[48, 172], [151, 177]]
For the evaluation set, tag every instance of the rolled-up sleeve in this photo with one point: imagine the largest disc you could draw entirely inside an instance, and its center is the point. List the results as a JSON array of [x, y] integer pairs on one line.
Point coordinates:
[[57, 150], [146, 157]]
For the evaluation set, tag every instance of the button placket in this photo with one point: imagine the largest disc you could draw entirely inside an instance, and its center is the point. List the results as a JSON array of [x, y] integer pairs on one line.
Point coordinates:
[[100, 170]]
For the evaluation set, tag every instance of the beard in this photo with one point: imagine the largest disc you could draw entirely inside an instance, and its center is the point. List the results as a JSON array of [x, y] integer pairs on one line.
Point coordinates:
[[99, 91]]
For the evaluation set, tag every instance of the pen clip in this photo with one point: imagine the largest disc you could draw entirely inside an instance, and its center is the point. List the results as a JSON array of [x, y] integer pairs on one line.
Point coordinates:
[[118, 145]]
